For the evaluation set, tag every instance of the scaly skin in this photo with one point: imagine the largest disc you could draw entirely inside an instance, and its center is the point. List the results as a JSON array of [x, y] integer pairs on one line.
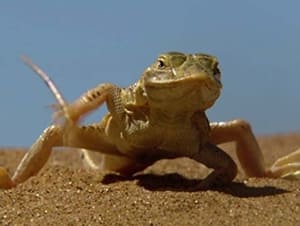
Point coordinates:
[[161, 116]]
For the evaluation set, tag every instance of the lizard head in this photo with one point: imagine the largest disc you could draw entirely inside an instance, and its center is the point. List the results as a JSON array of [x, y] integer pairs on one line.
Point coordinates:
[[189, 80]]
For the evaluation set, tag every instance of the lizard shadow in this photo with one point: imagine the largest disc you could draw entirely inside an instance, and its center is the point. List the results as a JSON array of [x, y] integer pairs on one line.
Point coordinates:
[[179, 183]]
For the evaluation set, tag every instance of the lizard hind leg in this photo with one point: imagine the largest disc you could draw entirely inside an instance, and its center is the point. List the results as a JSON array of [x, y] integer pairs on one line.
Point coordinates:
[[92, 160], [111, 163], [40, 151], [250, 154]]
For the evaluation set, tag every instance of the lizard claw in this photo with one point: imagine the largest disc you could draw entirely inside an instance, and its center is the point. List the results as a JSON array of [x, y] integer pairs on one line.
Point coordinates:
[[58, 116], [66, 114], [287, 167]]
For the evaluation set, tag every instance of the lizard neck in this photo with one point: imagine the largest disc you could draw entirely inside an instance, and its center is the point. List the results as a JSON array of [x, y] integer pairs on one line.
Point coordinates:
[[170, 116]]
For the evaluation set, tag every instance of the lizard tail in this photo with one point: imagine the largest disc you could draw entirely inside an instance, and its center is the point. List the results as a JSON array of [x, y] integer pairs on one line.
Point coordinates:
[[50, 84]]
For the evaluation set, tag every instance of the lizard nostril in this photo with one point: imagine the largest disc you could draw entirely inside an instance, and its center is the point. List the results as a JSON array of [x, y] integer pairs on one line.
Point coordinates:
[[216, 70]]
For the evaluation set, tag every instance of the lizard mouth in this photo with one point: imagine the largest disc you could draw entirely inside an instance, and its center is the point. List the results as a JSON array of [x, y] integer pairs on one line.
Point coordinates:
[[171, 78]]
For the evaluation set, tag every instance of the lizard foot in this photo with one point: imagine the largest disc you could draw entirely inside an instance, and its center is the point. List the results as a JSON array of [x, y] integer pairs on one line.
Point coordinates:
[[287, 167], [214, 179], [5, 180]]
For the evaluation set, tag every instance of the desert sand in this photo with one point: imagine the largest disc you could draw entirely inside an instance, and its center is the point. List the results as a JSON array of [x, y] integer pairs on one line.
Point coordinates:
[[65, 193]]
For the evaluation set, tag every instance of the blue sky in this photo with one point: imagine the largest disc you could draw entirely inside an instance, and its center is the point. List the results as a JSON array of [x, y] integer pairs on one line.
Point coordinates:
[[83, 43]]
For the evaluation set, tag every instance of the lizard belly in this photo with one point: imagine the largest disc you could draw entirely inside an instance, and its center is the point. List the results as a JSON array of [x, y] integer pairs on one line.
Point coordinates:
[[165, 141], [182, 141]]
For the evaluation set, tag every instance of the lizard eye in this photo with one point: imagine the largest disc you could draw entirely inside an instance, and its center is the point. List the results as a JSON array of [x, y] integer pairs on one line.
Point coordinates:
[[161, 64]]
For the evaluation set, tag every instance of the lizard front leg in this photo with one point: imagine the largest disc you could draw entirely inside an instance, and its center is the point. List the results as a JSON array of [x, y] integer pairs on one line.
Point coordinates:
[[97, 146], [249, 152], [224, 167]]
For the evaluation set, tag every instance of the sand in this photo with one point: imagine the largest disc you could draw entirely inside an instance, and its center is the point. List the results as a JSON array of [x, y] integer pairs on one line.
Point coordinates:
[[65, 193]]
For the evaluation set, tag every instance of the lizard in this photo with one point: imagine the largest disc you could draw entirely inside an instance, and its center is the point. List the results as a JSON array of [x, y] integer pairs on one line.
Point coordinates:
[[161, 116]]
